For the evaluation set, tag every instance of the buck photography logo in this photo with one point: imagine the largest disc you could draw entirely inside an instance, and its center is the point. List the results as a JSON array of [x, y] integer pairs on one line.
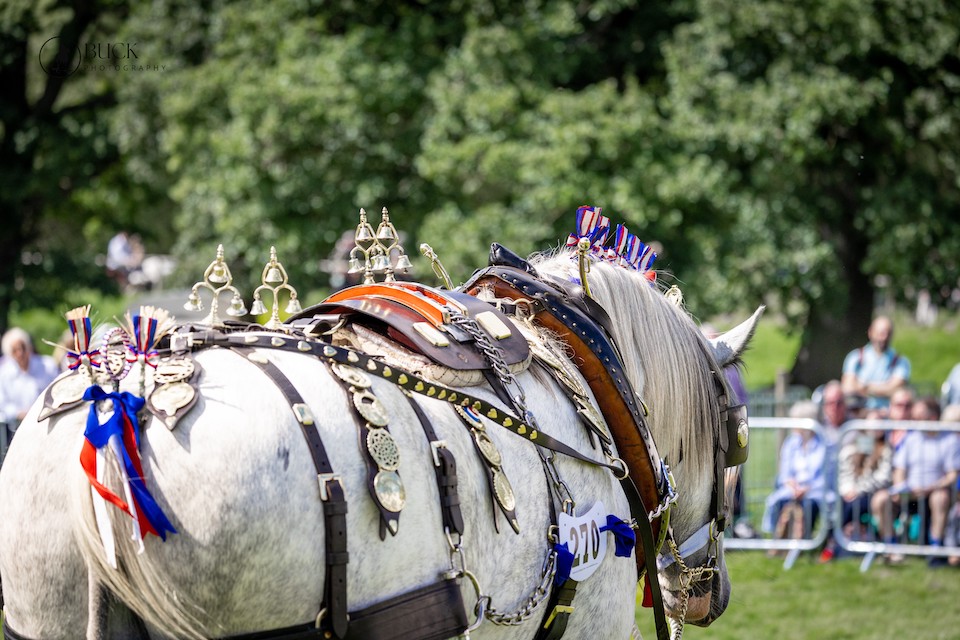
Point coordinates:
[[61, 62]]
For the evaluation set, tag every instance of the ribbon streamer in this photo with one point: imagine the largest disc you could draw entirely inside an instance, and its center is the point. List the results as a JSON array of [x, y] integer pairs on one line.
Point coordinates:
[[145, 336], [624, 537], [82, 329], [564, 563], [120, 435]]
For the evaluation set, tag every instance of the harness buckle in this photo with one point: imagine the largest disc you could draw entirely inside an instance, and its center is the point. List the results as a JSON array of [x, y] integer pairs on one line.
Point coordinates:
[[182, 342], [323, 479], [557, 610], [434, 446]]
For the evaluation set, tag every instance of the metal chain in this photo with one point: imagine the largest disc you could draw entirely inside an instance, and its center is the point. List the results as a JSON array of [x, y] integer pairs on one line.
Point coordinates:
[[533, 602], [494, 355], [483, 610], [687, 577]]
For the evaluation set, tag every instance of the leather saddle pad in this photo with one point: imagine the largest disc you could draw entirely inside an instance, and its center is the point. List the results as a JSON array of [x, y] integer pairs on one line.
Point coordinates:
[[413, 315]]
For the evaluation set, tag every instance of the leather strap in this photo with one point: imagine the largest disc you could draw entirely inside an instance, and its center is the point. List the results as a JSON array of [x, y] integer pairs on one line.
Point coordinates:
[[405, 380], [599, 362], [10, 634], [331, 494], [445, 466], [558, 611], [434, 612]]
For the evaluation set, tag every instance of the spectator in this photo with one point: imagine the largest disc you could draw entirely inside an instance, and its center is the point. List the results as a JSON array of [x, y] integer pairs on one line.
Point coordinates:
[[951, 414], [875, 370], [801, 483], [865, 466], [924, 472], [901, 403], [834, 412], [23, 376], [950, 392]]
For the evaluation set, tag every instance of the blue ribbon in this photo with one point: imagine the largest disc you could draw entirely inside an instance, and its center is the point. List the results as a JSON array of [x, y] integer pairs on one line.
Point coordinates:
[[125, 404], [564, 563], [623, 536]]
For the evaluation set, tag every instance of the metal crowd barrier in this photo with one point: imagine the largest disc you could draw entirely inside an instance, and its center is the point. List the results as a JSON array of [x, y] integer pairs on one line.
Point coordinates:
[[759, 478]]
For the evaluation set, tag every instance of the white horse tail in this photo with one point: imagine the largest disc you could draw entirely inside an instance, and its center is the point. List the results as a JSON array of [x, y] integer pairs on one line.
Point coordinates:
[[136, 580]]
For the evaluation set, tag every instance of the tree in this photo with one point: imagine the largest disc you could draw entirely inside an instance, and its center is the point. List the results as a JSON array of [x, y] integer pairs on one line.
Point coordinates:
[[836, 125]]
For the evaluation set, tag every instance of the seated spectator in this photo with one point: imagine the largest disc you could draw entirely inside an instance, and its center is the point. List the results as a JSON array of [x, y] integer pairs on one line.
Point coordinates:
[[801, 483], [951, 414], [875, 370], [833, 411], [901, 402], [23, 376], [865, 466], [924, 472]]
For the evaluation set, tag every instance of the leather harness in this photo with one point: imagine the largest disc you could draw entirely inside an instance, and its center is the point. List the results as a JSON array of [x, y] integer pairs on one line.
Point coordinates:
[[563, 309]]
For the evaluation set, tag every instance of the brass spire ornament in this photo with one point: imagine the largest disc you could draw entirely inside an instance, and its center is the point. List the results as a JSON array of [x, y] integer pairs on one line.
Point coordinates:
[[436, 265], [373, 252], [217, 278], [274, 279]]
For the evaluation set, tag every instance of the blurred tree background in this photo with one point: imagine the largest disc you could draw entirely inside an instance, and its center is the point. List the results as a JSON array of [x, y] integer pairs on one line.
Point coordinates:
[[780, 152]]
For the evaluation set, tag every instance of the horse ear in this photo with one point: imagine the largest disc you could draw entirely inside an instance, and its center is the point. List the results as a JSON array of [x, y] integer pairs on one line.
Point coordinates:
[[728, 347]]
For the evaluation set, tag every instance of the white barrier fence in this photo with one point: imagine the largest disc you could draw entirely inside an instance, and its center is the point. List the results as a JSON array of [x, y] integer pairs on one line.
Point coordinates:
[[857, 530]]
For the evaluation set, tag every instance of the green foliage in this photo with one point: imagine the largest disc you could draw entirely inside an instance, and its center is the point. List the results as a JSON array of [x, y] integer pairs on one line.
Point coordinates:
[[778, 152]]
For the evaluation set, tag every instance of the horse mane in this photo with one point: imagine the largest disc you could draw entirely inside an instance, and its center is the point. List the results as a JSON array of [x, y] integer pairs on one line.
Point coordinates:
[[666, 359]]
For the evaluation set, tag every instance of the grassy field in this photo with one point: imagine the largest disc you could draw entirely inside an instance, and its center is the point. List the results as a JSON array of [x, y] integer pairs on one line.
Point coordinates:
[[833, 601]]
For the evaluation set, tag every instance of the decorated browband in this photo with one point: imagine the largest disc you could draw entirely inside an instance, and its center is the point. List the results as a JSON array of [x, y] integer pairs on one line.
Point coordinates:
[[590, 239]]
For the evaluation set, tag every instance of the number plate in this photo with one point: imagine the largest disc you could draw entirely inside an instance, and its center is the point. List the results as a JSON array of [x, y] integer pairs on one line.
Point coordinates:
[[585, 540]]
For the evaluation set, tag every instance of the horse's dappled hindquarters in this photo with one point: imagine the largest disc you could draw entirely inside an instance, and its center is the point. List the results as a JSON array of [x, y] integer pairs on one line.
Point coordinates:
[[237, 476]]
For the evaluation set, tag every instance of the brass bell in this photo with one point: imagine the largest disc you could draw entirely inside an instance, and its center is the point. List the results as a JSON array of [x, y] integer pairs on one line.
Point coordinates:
[[354, 265], [293, 306], [364, 233], [193, 302], [380, 263], [403, 263], [273, 277], [218, 274], [237, 308], [386, 233], [258, 308]]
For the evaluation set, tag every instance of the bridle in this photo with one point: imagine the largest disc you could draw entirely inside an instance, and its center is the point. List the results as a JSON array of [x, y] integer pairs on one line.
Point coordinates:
[[731, 448]]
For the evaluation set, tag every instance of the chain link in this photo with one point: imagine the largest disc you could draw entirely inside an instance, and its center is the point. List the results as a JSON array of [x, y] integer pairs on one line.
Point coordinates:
[[687, 577], [494, 355], [533, 602]]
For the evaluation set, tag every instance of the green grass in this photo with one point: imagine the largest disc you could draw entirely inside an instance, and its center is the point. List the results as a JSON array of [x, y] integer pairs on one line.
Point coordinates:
[[834, 601]]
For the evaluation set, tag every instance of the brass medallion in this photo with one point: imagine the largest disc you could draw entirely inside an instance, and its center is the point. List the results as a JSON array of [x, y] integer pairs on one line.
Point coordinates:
[[383, 449], [469, 415], [389, 489], [173, 370], [488, 448], [351, 376], [503, 490], [370, 408], [69, 389], [172, 397]]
